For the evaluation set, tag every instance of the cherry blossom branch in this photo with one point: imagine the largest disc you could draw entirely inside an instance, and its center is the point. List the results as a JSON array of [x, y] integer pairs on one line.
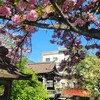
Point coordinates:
[[48, 26], [93, 33], [73, 28], [19, 45]]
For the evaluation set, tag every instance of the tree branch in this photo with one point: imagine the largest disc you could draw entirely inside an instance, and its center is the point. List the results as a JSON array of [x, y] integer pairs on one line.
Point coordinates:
[[48, 26], [93, 33], [73, 28]]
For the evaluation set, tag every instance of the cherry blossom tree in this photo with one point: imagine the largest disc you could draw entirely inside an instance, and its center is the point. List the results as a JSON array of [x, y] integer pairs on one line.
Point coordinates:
[[72, 21]]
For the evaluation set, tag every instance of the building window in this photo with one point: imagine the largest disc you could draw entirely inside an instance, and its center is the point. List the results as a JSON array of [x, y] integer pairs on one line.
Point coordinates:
[[55, 58], [50, 84], [47, 59]]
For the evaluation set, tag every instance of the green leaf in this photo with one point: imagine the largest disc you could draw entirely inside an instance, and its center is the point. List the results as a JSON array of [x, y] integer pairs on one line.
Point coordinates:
[[16, 2], [39, 11], [28, 89], [1, 3]]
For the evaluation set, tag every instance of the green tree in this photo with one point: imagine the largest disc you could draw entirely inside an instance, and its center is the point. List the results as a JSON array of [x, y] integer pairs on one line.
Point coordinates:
[[90, 69], [28, 89]]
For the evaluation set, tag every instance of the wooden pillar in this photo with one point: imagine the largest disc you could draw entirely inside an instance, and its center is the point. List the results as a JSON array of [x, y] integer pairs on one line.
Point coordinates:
[[7, 90]]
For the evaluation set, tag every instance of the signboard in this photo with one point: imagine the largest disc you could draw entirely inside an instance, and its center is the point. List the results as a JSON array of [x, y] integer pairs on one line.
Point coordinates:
[[76, 92]]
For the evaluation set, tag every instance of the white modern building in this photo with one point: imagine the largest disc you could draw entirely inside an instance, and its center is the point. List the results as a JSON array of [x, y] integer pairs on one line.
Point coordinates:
[[56, 56]]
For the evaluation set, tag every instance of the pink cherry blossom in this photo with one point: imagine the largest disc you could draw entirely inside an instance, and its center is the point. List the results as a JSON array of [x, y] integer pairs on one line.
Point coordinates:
[[21, 5], [32, 15], [45, 2], [32, 1], [16, 19], [70, 2], [79, 3], [30, 7], [27, 50], [91, 18], [6, 10], [32, 29], [15, 60], [1, 11], [93, 1], [79, 21], [52, 41], [9, 1]]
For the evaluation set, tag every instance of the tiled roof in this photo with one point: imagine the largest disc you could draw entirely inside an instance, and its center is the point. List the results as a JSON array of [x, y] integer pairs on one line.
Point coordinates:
[[43, 67], [12, 72], [7, 70]]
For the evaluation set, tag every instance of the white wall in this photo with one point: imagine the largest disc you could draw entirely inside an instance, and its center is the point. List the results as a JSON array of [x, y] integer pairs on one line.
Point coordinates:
[[59, 56]]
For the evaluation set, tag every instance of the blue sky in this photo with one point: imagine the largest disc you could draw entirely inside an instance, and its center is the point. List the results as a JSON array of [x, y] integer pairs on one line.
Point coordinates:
[[41, 43]]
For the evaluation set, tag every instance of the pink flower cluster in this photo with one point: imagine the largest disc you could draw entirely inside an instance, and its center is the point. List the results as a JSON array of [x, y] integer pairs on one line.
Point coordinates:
[[93, 1], [9, 1], [79, 21], [32, 1], [4, 11], [16, 40], [68, 5], [45, 2], [91, 18], [32, 15], [27, 50], [16, 19], [79, 3], [21, 6], [30, 7], [70, 2], [32, 29]]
